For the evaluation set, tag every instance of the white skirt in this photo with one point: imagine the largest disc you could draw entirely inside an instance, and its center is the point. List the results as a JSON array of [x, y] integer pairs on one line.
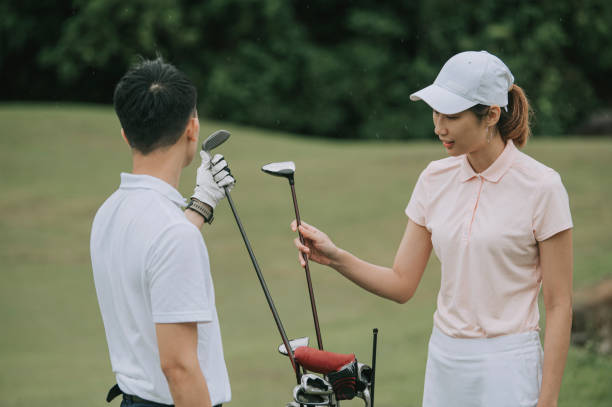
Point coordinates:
[[501, 371]]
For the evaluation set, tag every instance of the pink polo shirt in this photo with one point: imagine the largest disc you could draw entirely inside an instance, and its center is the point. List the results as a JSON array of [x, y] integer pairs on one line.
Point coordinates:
[[485, 230]]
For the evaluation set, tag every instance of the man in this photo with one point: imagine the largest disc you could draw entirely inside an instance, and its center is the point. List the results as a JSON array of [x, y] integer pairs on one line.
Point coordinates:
[[150, 263]]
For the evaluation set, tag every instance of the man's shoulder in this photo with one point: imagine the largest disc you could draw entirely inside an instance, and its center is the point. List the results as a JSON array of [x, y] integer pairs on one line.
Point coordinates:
[[143, 213]]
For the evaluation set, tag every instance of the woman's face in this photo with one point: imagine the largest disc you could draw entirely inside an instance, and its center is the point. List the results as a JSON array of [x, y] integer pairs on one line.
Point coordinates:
[[460, 133]]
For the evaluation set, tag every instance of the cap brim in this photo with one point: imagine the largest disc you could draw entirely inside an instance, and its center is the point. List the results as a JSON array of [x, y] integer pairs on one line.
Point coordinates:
[[441, 100]]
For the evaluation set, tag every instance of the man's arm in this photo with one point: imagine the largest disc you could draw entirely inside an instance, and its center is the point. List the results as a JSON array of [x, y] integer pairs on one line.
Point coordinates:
[[195, 218], [178, 355]]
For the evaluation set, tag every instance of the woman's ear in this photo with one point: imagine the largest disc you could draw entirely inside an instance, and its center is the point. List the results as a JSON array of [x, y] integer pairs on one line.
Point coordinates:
[[493, 115]]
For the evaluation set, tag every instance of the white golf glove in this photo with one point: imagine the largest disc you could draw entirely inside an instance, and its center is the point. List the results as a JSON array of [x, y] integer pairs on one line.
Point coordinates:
[[212, 177]]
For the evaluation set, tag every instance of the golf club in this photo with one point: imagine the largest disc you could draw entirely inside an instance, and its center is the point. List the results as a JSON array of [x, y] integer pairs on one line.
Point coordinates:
[[301, 396], [366, 397], [294, 343], [313, 384], [213, 141], [373, 374], [287, 170]]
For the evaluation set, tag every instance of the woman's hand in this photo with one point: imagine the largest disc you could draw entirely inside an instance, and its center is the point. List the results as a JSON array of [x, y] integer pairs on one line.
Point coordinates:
[[318, 246]]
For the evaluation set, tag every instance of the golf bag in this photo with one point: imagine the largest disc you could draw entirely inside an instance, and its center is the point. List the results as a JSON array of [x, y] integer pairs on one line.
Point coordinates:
[[343, 377]]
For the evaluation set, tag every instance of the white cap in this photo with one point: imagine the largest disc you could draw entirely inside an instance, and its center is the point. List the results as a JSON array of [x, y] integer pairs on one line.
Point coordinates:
[[467, 79]]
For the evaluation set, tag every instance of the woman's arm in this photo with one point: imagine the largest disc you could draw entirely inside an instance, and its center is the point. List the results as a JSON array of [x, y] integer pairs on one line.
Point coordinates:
[[556, 262], [398, 283]]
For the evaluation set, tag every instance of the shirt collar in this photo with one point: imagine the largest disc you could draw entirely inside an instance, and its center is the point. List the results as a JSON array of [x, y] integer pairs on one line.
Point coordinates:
[[496, 171], [142, 181]]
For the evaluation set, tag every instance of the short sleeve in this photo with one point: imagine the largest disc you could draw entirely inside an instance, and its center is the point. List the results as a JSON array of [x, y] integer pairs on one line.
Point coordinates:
[[552, 211], [417, 206], [179, 276]]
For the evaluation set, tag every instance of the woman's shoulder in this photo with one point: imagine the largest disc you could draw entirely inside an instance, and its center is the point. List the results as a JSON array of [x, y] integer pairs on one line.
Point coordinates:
[[534, 170], [443, 166]]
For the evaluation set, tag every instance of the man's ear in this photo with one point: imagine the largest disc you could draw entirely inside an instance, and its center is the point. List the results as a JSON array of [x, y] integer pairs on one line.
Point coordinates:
[[193, 129], [124, 137]]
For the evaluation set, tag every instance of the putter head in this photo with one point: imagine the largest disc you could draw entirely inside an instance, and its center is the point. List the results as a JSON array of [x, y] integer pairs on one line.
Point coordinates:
[[294, 344], [284, 169], [215, 140]]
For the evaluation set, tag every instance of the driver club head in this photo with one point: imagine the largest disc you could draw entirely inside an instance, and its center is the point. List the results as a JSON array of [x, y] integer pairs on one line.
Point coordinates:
[[294, 344], [215, 140], [284, 169]]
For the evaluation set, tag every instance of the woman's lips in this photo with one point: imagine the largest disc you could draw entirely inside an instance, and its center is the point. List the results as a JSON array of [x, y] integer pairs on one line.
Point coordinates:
[[448, 144]]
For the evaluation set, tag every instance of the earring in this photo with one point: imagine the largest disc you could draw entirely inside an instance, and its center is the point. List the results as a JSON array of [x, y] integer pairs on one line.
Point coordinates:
[[489, 135]]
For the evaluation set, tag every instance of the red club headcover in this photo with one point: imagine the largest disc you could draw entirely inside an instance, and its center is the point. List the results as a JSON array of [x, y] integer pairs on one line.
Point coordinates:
[[320, 361]]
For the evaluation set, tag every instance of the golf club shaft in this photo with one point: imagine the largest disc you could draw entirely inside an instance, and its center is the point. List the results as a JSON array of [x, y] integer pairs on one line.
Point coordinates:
[[374, 343], [277, 319], [313, 305]]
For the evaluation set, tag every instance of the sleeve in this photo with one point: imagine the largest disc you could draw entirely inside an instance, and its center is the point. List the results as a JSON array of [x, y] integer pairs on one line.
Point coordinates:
[[179, 277], [417, 206], [552, 211]]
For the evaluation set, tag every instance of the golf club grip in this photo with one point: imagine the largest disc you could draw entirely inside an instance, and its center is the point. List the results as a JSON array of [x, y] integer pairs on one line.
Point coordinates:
[[279, 323]]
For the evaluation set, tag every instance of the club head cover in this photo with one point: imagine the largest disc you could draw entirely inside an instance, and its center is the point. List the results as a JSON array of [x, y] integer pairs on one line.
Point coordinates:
[[320, 361], [344, 381]]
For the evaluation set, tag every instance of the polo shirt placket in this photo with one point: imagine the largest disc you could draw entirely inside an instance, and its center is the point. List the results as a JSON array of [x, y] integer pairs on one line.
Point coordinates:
[[493, 174]]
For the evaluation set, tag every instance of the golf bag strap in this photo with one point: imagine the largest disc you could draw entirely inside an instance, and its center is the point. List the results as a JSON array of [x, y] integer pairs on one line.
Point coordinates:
[[321, 361]]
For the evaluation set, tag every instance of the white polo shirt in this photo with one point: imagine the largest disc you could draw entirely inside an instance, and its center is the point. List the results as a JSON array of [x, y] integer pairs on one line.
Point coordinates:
[[485, 230], [151, 265]]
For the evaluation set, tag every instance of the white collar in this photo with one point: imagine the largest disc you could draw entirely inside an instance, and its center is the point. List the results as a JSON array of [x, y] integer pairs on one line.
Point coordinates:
[[143, 181]]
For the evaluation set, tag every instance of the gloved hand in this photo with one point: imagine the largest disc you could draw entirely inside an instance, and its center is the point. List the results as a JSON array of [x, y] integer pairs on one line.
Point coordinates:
[[212, 176]]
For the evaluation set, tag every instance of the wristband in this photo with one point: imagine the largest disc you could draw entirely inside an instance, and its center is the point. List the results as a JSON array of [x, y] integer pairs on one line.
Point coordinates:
[[201, 208]]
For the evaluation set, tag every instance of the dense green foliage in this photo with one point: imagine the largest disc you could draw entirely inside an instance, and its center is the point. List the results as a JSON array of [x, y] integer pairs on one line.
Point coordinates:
[[342, 68]]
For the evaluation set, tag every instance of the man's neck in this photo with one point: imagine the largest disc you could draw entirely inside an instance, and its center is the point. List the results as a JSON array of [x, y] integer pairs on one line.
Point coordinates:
[[162, 164]]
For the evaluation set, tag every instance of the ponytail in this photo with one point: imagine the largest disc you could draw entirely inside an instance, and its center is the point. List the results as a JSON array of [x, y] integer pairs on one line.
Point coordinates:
[[515, 124]]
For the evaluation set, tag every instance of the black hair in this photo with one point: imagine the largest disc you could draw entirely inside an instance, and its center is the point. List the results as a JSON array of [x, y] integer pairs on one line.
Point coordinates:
[[154, 102]]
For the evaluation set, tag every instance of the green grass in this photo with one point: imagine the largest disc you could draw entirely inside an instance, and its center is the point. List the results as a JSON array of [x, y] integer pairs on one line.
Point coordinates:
[[59, 163]]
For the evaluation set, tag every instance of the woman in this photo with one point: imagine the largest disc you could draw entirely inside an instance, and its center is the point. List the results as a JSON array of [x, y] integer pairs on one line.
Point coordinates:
[[499, 221]]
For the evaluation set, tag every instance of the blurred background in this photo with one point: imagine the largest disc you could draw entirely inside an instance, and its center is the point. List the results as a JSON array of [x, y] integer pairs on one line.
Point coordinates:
[[325, 84], [340, 69]]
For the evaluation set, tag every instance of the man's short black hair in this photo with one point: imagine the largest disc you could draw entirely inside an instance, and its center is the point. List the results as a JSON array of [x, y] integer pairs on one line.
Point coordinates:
[[154, 102]]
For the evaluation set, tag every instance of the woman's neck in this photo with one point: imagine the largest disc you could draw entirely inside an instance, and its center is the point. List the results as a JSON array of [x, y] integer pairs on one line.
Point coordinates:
[[482, 158]]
